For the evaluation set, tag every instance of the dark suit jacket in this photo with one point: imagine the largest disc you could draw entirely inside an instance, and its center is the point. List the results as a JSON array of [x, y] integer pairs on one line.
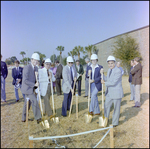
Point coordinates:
[[97, 77], [81, 71], [28, 80], [130, 75], [137, 74], [4, 70], [59, 72], [15, 76]]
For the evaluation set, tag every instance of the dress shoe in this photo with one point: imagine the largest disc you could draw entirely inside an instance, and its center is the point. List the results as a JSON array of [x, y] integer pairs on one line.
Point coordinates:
[[17, 100], [90, 113], [115, 125], [135, 106], [64, 115], [39, 120], [23, 121], [85, 96], [52, 116], [97, 114]]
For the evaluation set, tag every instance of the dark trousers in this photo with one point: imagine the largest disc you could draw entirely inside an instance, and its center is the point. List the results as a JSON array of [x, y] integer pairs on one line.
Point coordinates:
[[58, 86], [66, 102], [79, 87]]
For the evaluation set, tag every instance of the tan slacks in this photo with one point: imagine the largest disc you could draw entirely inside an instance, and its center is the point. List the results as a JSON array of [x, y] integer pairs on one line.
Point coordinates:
[[47, 108]]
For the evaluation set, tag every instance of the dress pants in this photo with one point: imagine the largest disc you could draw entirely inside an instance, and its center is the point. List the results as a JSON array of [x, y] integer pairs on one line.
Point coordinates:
[[3, 94], [47, 108], [79, 87], [132, 88], [137, 95], [94, 105], [86, 86], [16, 93], [35, 107], [107, 106], [58, 86], [66, 102]]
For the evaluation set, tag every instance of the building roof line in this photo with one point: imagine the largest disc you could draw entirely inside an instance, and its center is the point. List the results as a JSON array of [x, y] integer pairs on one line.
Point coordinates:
[[123, 33]]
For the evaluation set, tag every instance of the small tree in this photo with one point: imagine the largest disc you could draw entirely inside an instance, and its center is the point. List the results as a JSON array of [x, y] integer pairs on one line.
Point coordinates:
[[126, 49], [13, 58], [53, 58], [8, 61], [90, 49]]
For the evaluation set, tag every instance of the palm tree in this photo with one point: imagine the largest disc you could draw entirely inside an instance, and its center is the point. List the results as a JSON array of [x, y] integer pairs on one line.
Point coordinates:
[[22, 53], [72, 53], [60, 48], [90, 49], [77, 51], [95, 50]]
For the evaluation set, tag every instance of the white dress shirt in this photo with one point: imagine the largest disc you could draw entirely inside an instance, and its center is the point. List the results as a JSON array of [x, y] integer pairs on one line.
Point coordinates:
[[93, 70]]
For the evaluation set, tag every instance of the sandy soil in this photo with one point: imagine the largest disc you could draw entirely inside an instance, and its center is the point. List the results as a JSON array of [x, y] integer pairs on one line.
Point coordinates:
[[132, 131]]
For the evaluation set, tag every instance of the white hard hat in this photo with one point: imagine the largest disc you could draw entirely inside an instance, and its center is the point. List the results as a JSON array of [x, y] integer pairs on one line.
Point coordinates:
[[94, 56], [35, 56], [47, 60], [111, 58], [69, 59]]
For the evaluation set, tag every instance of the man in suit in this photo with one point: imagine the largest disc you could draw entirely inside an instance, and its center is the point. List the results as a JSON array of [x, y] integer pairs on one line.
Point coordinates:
[[137, 80], [17, 79], [4, 73], [87, 60], [58, 77], [28, 84], [45, 75], [114, 90], [80, 72], [69, 76], [132, 88]]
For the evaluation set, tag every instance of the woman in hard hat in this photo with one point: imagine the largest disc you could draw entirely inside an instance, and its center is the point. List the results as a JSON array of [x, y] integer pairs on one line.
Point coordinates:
[[96, 86], [114, 90], [45, 75], [69, 76]]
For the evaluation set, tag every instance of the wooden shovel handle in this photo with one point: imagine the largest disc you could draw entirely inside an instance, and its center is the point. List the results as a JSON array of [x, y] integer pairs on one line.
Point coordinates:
[[89, 90], [52, 97], [72, 99]]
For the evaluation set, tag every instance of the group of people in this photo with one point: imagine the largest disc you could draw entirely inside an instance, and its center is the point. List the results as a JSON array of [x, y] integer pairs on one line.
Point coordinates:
[[33, 76]]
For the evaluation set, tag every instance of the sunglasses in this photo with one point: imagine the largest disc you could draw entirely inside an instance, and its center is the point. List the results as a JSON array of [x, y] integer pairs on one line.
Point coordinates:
[[70, 62]]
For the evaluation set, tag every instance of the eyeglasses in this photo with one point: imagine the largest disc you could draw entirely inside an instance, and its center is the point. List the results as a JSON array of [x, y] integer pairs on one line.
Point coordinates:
[[70, 62]]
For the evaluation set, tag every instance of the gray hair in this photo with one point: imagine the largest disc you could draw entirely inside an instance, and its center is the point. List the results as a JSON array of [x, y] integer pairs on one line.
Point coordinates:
[[87, 59]]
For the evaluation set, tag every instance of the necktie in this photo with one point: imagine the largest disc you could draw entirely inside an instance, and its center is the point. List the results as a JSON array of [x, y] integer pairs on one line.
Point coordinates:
[[48, 74], [17, 70], [110, 72], [71, 73]]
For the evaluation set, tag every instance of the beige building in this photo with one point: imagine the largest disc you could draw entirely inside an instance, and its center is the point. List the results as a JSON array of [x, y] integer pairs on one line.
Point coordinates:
[[142, 37]]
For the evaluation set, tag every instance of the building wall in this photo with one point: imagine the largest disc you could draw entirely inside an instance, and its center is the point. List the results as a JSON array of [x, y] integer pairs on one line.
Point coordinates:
[[142, 37]]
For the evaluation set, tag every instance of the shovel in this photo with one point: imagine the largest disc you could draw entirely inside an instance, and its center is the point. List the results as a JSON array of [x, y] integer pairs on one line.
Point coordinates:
[[88, 117], [72, 99], [102, 119], [55, 119], [45, 123]]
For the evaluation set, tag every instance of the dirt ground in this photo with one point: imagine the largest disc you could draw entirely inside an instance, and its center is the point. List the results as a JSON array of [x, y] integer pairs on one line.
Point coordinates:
[[132, 131]]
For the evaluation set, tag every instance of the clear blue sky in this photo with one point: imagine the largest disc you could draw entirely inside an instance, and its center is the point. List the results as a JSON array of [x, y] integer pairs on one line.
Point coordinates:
[[44, 25]]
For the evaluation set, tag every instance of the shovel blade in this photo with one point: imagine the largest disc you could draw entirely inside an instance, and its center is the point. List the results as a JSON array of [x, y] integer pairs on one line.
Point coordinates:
[[103, 121], [46, 123], [88, 118], [55, 120]]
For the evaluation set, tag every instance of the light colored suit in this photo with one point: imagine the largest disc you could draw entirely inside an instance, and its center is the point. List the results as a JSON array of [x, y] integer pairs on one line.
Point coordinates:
[[113, 93], [45, 89], [27, 88], [44, 80], [67, 82]]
